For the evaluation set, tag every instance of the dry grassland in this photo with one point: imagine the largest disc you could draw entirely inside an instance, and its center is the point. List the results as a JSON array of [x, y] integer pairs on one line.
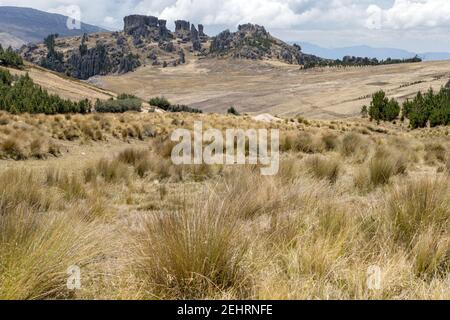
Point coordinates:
[[100, 192]]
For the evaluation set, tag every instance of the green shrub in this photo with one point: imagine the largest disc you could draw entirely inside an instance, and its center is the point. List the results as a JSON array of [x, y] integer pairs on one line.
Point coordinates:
[[233, 111], [118, 106], [160, 102]]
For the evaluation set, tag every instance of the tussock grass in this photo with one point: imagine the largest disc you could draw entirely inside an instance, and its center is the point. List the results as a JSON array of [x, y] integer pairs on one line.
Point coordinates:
[[356, 146], [36, 251], [417, 205], [323, 168], [384, 164], [192, 255], [23, 188], [109, 170], [435, 152]]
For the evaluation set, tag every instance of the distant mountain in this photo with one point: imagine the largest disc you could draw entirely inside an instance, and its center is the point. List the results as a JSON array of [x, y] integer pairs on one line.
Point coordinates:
[[19, 26], [370, 52], [433, 56]]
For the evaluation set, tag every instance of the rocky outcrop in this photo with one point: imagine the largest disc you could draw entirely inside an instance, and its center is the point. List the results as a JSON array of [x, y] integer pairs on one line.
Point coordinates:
[[222, 43], [128, 63], [254, 42], [94, 62], [195, 39], [146, 26], [182, 28], [201, 32]]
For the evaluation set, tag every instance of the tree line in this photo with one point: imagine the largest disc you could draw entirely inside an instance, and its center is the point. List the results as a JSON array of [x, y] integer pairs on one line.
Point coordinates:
[[430, 109], [20, 94], [351, 61]]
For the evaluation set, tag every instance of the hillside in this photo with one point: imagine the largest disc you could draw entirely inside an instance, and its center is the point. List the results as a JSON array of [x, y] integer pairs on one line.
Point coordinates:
[[19, 26], [147, 40], [65, 87]]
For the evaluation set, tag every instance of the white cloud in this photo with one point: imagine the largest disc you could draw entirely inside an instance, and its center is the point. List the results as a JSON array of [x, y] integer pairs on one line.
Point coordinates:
[[327, 18], [409, 14]]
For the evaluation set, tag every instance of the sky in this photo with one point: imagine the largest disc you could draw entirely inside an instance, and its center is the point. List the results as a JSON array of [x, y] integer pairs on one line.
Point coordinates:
[[415, 25]]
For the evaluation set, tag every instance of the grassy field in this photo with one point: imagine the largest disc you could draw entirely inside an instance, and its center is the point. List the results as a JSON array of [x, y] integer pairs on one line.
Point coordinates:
[[100, 192], [279, 89]]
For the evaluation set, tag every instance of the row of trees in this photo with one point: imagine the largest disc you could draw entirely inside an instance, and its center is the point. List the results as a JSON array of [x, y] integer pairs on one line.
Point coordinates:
[[432, 108], [122, 104], [9, 58], [21, 94], [350, 61], [165, 105]]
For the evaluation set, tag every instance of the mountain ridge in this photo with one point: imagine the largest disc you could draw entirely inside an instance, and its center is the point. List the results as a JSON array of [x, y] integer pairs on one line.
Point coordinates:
[[21, 25]]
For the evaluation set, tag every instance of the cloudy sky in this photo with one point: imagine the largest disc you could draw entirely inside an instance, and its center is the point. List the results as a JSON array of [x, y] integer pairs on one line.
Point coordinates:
[[416, 25]]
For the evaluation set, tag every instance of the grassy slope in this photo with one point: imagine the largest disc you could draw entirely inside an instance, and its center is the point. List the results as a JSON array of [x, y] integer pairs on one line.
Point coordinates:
[[65, 87], [147, 229]]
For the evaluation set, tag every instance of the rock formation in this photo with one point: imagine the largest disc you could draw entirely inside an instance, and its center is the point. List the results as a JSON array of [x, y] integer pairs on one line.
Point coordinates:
[[254, 42], [182, 28], [195, 39], [149, 27], [94, 62]]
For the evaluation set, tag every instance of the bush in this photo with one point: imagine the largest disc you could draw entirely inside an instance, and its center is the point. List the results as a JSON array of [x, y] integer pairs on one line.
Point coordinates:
[[233, 111], [165, 105], [160, 102], [183, 108], [119, 105]]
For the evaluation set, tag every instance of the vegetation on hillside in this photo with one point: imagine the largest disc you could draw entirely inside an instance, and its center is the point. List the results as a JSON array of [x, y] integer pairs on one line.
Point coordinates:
[[351, 61], [21, 94], [432, 108], [9, 58]]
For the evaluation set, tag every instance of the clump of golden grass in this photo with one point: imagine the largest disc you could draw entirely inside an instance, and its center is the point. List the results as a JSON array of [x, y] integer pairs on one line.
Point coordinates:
[[354, 145], [379, 170], [36, 250], [323, 168], [417, 205], [435, 152], [109, 170], [22, 188], [37, 243], [192, 255]]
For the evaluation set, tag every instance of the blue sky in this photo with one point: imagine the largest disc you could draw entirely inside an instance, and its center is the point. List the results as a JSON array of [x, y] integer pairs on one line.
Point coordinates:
[[416, 25]]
